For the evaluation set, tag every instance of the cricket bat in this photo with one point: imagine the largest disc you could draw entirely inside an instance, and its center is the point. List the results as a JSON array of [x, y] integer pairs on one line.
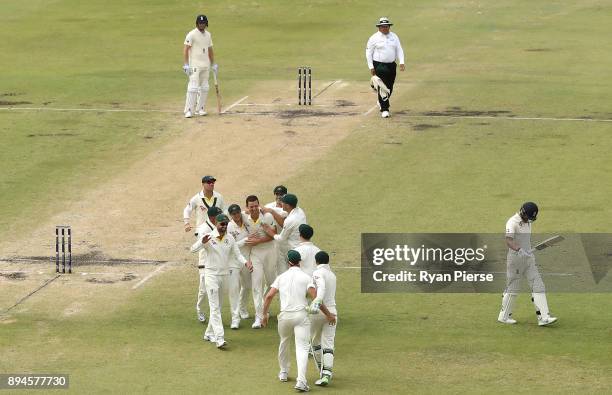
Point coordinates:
[[217, 91], [547, 243]]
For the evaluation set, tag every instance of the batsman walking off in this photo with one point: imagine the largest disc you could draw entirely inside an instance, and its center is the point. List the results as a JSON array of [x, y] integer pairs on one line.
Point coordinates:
[[382, 49], [521, 261], [322, 329], [198, 56]]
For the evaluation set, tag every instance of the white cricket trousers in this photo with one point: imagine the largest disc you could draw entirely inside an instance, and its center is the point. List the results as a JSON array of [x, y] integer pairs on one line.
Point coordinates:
[[233, 287], [264, 268], [296, 324], [201, 291], [215, 288], [323, 336], [245, 288]]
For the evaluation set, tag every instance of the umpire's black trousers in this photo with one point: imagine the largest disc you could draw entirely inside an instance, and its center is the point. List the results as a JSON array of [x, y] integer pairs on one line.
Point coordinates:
[[386, 72]]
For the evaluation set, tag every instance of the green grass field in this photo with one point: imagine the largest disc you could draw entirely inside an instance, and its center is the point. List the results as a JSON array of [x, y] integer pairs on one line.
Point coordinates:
[[420, 171]]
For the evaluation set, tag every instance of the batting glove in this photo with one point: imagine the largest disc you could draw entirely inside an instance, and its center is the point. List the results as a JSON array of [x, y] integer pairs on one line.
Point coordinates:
[[186, 68], [524, 254], [314, 306], [215, 67]]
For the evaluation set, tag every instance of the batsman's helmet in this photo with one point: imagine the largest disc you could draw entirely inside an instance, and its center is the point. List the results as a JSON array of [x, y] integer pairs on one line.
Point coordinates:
[[529, 211], [202, 19]]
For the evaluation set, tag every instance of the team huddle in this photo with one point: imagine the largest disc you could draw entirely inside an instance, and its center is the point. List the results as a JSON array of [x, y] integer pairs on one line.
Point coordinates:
[[243, 252]]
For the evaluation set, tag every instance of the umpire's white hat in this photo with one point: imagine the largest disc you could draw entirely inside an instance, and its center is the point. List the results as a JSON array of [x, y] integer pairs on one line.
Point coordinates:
[[384, 21]]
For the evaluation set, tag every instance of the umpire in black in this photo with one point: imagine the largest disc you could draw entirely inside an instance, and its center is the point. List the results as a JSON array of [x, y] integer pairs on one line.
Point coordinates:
[[382, 50]]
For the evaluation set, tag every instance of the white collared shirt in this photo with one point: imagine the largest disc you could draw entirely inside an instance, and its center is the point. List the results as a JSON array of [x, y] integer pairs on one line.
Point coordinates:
[[202, 204], [199, 42], [220, 252], [307, 251], [240, 234], [292, 286], [384, 48], [519, 231], [256, 229], [290, 235], [324, 281]]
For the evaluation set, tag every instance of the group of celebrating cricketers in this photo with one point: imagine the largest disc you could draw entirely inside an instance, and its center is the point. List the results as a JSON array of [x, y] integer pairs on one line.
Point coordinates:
[[243, 251]]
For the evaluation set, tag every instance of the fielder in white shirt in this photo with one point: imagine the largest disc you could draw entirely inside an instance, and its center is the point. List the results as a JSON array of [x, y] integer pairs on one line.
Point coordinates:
[[263, 254], [323, 332], [277, 205], [207, 227], [202, 201], [220, 248], [293, 285], [382, 49], [307, 249], [198, 55], [521, 261], [289, 237], [240, 279]]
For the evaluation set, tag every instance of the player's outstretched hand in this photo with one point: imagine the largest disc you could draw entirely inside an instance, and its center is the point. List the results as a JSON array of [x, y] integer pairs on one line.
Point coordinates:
[[187, 227], [206, 238]]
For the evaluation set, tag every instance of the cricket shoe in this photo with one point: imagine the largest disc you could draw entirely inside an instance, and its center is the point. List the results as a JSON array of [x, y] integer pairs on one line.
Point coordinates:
[[508, 321], [201, 113], [302, 386], [323, 381], [282, 376], [188, 114], [256, 324], [384, 114], [209, 338], [202, 317], [235, 324], [546, 320], [221, 343], [244, 314]]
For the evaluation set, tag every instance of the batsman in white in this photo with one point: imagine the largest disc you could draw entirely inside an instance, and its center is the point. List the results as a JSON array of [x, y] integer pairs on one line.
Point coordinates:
[[323, 330], [198, 56], [240, 276], [521, 261], [293, 286], [220, 248]]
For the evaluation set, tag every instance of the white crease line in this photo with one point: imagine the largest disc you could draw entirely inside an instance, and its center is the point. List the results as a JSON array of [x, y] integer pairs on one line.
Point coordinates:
[[318, 105], [150, 275], [234, 104], [282, 104], [370, 110]]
